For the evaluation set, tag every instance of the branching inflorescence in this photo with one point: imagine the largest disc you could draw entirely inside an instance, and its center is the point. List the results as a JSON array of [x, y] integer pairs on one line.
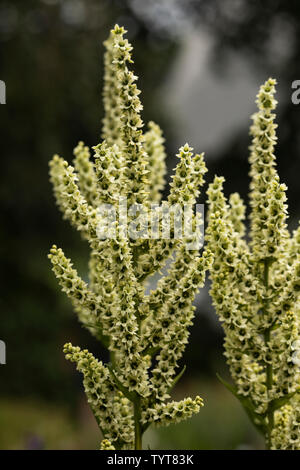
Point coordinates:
[[146, 334], [255, 288]]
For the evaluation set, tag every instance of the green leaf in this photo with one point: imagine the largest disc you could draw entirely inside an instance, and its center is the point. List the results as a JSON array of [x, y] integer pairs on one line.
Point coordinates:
[[279, 402], [256, 419], [130, 395], [150, 350], [98, 332], [178, 377]]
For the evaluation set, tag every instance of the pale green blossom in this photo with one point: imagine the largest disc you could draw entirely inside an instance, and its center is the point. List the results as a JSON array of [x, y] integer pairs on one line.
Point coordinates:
[[255, 288], [145, 334]]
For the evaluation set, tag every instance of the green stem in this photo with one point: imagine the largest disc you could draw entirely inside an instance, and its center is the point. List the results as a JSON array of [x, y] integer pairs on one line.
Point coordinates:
[[269, 367], [112, 358], [137, 424]]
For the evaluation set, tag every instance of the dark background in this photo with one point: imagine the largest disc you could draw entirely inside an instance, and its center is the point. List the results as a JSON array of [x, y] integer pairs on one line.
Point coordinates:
[[51, 61]]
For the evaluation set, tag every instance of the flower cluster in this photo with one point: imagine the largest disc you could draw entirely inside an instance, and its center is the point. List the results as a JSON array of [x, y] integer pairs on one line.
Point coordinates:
[[111, 409], [285, 434], [145, 334], [255, 287], [172, 412]]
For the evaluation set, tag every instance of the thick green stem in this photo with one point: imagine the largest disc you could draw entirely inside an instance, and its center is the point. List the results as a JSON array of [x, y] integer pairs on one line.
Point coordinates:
[[137, 424], [269, 367]]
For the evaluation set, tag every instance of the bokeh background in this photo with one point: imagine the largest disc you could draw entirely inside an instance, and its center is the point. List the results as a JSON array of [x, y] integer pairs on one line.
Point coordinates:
[[200, 65]]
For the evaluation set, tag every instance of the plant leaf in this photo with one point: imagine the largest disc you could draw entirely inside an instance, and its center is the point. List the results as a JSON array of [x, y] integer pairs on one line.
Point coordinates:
[[130, 395], [256, 419], [279, 402], [178, 377]]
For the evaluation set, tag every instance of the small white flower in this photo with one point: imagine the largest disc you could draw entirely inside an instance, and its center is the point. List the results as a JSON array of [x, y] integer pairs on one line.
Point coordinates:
[[296, 353], [296, 345]]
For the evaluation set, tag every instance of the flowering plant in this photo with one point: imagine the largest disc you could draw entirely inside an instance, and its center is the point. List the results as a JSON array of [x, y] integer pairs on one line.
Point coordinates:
[[145, 334], [255, 288]]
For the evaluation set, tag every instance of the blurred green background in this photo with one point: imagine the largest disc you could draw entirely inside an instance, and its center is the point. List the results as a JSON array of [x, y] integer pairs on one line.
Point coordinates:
[[199, 65]]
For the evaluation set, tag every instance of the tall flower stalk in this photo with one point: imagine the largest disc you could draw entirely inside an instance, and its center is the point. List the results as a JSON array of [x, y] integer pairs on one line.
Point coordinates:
[[145, 334], [255, 288]]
